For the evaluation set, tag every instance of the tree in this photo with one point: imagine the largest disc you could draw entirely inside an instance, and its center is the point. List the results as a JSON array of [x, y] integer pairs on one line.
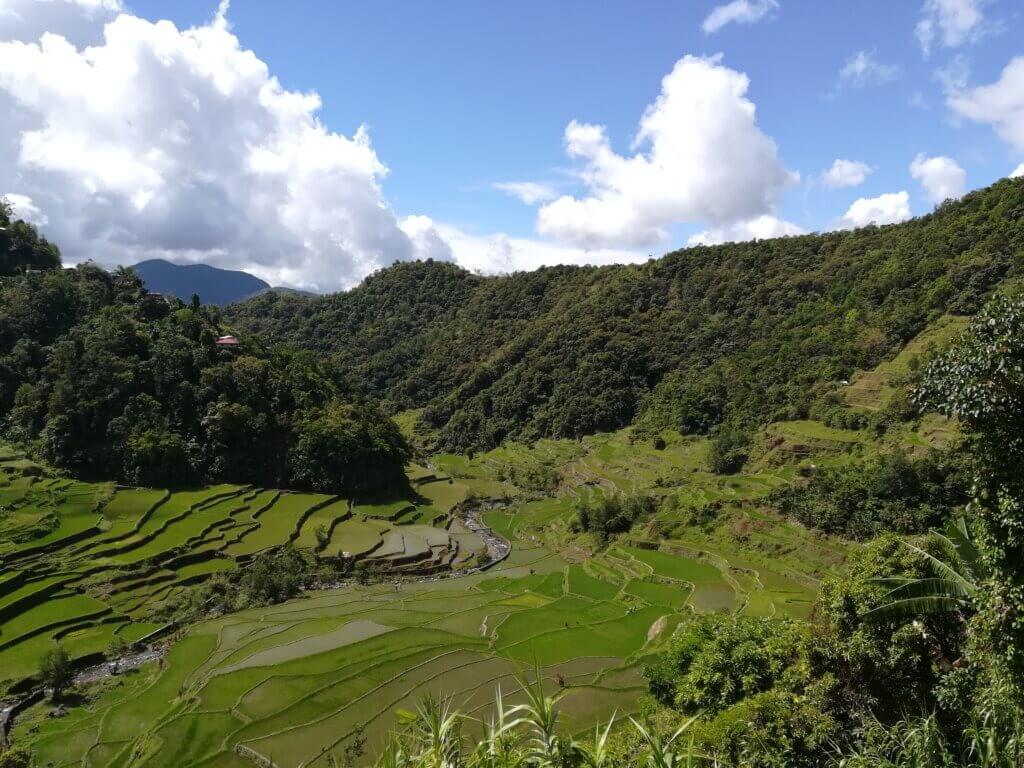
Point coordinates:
[[953, 586], [344, 446], [980, 382], [107, 383], [56, 671], [274, 577], [21, 247], [730, 449]]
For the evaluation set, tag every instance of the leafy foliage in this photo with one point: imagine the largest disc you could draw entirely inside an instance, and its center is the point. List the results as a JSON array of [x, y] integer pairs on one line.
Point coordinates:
[[730, 449], [21, 247], [953, 586], [528, 734], [889, 491], [744, 333], [714, 661], [15, 757], [56, 671], [980, 381], [613, 514], [106, 380]]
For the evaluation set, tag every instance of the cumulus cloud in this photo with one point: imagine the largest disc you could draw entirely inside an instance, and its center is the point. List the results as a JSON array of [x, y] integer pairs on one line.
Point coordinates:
[[23, 208], [181, 144], [941, 177], [863, 69], [739, 11], [952, 22], [759, 228], [699, 156], [1000, 104], [80, 21], [845, 173], [889, 208], [1017, 172], [500, 253], [529, 192]]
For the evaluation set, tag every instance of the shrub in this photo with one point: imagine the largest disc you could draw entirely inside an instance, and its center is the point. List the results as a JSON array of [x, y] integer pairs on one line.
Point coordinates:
[[730, 449], [56, 671], [613, 514], [889, 491]]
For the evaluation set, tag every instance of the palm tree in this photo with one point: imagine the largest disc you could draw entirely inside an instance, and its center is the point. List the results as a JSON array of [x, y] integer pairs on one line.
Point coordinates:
[[954, 586]]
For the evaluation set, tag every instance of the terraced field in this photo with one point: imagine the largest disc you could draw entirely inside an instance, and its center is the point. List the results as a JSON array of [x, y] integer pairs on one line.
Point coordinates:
[[294, 683], [85, 563]]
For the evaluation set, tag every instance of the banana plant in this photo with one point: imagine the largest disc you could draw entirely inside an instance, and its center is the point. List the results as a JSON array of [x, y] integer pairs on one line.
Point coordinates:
[[953, 585]]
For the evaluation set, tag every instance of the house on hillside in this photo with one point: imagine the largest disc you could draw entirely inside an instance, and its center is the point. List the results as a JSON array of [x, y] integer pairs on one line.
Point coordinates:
[[229, 342]]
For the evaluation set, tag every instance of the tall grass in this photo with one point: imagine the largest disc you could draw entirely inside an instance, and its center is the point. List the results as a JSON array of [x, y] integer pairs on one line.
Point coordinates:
[[529, 735], [993, 738]]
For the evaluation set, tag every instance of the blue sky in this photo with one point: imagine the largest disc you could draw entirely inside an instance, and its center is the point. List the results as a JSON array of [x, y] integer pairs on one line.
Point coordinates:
[[459, 96]]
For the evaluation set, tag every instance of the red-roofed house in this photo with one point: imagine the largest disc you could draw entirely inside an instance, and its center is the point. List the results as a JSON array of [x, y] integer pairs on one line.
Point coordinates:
[[226, 341]]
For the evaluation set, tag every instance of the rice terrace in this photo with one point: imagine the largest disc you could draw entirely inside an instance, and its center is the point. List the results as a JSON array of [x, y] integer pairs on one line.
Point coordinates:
[[511, 385], [427, 605]]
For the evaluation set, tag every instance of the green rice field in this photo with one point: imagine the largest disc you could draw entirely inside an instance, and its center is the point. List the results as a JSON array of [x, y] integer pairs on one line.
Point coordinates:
[[293, 684]]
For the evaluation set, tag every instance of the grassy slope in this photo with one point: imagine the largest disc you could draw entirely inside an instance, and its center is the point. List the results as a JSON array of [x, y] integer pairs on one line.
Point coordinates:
[[294, 682]]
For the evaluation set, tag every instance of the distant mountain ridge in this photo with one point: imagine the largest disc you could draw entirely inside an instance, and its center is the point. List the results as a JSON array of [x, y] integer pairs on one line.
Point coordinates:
[[213, 284]]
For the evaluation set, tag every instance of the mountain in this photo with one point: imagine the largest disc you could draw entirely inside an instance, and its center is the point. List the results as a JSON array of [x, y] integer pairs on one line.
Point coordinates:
[[738, 334], [214, 285]]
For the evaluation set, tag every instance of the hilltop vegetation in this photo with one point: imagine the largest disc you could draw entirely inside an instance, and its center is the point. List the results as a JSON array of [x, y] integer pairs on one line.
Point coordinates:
[[741, 334], [109, 382], [21, 247]]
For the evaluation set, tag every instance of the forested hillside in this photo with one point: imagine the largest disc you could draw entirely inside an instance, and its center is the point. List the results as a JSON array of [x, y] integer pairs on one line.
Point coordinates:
[[738, 334], [107, 381]]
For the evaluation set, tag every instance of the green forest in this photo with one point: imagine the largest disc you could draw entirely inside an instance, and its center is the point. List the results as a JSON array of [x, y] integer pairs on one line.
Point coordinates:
[[110, 382], [763, 507], [739, 334]]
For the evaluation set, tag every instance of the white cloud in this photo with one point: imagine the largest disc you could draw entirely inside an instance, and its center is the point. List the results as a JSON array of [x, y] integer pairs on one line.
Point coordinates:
[[181, 144], [530, 192], [23, 208], [703, 159], [761, 227], [426, 239], [499, 253], [739, 11], [1000, 104], [863, 69], [953, 22], [1017, 172], [953, 75], [80, 21], [889, 208], [845, 173], [941, 177]]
